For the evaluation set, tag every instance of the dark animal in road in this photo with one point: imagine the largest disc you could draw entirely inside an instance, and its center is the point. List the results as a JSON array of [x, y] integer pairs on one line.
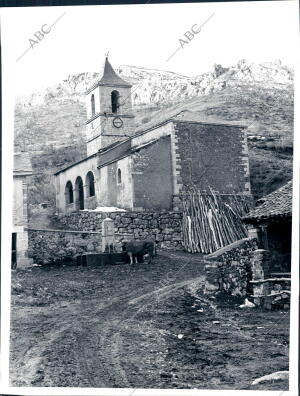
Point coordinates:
[[139, 248]]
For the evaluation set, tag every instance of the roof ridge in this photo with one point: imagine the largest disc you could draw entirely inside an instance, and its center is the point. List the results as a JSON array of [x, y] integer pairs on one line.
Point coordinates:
[[276, 204], [283, 187]]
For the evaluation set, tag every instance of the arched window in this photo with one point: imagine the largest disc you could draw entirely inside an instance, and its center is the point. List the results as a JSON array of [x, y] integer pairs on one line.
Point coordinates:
[[115, 101], [93, 104], [69, 193], [90, 183], [119, 177], [79, 193]]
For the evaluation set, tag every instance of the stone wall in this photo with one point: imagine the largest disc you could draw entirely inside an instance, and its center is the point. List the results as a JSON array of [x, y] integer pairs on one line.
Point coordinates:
[[240, 269], [213, 156], [152, 175], [47, 246], [20, 220], [114, 192], [164, 227], [269, 291], [229, 269]]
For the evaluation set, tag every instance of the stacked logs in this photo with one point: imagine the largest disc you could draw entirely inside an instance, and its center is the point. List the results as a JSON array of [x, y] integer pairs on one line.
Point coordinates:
[[212, 221]]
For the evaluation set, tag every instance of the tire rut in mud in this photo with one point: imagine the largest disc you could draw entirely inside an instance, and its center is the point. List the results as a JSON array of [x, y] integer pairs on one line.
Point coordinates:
[[88, 341]]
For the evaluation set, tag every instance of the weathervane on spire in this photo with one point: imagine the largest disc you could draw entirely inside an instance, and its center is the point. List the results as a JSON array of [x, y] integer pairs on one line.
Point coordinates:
[[106, 54]]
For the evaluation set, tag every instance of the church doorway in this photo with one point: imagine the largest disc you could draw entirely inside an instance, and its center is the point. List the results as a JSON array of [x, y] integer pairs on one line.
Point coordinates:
[[79, 194]]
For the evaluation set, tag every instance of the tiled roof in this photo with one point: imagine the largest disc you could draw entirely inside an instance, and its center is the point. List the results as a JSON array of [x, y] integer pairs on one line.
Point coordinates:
[[22, 163], [128, 151], [277, 204]]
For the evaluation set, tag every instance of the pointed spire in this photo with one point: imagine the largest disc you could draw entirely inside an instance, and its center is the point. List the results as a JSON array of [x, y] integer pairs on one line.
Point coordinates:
[[110, 77]]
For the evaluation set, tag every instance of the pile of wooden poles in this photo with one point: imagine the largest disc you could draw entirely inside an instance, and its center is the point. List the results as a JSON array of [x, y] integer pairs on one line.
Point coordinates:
[[212, 221]]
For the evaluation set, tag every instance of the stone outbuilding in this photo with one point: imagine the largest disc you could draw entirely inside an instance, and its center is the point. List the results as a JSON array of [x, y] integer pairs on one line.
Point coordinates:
[[271, 221], [271, 224], [21, 173], [258, 267]]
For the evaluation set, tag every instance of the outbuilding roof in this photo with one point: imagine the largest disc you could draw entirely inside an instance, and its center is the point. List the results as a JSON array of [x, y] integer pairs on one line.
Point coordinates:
[[278, 204]]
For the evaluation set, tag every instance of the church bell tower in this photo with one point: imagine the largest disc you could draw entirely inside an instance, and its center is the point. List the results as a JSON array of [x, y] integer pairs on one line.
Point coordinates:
[[109, 111]]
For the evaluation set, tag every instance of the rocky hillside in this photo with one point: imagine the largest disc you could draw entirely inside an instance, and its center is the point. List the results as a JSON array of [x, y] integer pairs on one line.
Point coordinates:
[[151, 86], [55, 116], [260, 95]]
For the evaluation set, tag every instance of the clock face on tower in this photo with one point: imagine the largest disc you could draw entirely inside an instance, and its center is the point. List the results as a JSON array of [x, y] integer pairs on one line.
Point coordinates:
[[117, 122]]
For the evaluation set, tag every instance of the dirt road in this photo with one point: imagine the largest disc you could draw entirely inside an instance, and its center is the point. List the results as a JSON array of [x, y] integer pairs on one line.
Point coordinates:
[[137, 326]]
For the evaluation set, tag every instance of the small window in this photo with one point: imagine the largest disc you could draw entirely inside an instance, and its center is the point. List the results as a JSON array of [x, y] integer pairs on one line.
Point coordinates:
[[69, 193], [90, 182], [119, 176], [93, 105], [115, 97]]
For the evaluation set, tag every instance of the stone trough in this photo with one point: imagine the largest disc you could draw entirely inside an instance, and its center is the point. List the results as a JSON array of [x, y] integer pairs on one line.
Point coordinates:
[[106, 258], [90, 259]]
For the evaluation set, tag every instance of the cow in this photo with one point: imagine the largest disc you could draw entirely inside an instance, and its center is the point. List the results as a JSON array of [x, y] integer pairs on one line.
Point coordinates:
[[139, 248]]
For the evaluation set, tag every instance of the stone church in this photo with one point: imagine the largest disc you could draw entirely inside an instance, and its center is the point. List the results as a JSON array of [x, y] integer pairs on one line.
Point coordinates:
[[150, 168]]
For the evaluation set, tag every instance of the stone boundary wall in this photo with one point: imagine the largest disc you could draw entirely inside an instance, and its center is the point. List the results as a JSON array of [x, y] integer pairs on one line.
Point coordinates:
[[164, 227], [48, 246], [229, 269]]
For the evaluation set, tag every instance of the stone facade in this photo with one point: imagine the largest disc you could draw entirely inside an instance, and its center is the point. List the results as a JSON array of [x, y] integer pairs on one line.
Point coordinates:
[[21, 174], [49, 246], [268, 291], [240, 269], [271, 222], [71, 174], [212, 156], [85, 230], [101, 127], [163, 226], [152, 176], [229, 269], [116, 184]]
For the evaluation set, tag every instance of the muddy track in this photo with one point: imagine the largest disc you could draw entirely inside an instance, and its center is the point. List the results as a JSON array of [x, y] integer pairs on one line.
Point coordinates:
[[118, 326], [111, 336], [98, 339]]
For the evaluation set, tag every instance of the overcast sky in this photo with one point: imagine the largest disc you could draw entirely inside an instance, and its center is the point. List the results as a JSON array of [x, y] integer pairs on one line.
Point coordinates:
[[145, 35]]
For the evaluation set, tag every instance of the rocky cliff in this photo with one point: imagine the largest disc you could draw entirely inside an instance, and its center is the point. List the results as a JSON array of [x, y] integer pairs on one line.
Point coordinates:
[[151, 86]]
